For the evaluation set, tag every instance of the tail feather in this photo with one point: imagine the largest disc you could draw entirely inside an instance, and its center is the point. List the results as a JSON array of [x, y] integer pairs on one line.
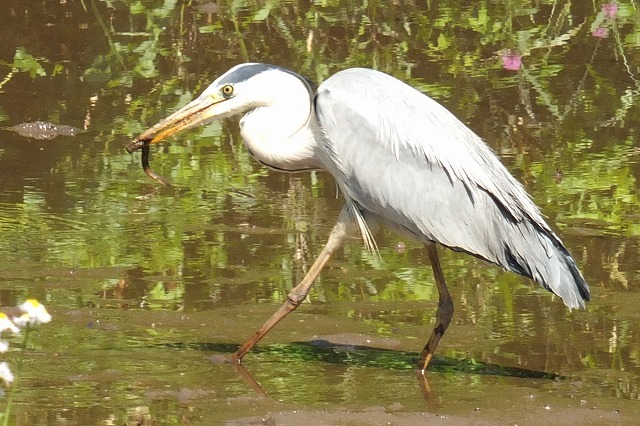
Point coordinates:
[[539, 254], [530, 248]]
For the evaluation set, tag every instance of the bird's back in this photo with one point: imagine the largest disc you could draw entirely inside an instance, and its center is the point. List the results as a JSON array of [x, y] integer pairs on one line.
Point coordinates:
[[403, 157]]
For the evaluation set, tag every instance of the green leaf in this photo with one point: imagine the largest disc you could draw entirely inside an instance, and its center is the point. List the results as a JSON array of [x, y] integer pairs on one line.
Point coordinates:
[[137, 8], [209, 28], [262, 14], [443, 41], [23, 61]]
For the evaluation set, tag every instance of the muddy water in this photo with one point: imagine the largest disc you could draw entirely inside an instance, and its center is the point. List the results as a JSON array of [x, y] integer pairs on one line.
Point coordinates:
[[148, 284]]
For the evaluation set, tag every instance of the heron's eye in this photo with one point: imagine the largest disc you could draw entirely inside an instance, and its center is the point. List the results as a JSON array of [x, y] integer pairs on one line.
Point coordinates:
[[227, 90]]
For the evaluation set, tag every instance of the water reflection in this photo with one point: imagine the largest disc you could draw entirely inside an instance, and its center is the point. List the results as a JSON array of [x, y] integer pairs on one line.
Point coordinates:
[[129, 265]]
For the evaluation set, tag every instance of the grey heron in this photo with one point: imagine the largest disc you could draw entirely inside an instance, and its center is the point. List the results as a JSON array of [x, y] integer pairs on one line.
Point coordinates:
[[400, 160]]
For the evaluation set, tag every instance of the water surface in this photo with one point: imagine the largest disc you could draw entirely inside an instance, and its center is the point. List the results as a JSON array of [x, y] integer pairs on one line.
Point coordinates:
[[147, 283]]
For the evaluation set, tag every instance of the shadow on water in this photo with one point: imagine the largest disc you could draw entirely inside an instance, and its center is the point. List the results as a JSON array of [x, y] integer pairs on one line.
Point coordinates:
[[366, 356]]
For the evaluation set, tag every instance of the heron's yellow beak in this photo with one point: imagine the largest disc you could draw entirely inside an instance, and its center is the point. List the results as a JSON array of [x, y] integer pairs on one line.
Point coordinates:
[[194, 113]]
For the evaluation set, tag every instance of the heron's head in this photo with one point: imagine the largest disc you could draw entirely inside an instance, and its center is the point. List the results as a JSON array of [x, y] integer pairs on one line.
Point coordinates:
[[243, 88]]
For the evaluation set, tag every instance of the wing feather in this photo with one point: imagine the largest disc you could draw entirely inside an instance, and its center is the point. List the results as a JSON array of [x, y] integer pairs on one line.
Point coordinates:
[[403, 157]]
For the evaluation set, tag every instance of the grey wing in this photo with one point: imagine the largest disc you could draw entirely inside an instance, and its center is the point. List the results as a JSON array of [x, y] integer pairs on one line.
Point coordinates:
[[403, 157]]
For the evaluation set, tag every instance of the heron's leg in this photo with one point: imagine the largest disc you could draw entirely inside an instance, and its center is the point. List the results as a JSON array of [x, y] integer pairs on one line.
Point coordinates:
[[444, 312], [344, 228]]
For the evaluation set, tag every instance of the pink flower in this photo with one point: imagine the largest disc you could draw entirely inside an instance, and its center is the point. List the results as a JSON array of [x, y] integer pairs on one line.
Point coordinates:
[[511, 60], [610, 10], [600, 32]]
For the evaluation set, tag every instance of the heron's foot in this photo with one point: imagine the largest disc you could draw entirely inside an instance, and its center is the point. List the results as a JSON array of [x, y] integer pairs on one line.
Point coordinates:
[[223, 359], [424, 384]]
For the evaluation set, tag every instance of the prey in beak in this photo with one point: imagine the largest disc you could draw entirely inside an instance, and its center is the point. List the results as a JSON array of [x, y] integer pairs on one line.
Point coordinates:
[[191, 115]]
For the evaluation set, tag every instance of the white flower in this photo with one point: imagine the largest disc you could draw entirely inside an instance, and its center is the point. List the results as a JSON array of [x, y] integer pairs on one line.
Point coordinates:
[[4, 346], [6, 324], [36, 311], [5, 373], [22, 321]]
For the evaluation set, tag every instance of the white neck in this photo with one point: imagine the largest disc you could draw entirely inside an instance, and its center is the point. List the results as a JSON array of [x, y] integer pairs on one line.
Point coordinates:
[[280, 135]]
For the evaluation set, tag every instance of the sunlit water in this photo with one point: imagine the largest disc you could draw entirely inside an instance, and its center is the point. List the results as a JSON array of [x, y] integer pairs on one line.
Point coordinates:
[[147, 283]]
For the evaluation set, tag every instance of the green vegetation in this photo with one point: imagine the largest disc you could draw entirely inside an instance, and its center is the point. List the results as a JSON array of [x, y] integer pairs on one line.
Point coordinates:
[[552, 86]]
